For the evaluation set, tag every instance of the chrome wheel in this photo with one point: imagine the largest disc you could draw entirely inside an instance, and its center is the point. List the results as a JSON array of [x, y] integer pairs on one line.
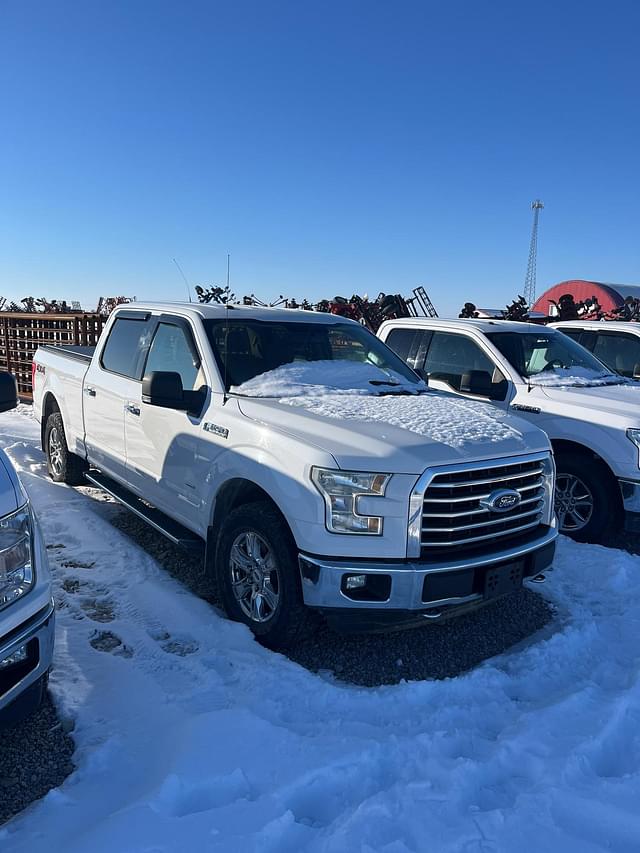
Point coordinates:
[[55, 451], [255, 580], [573, 502]]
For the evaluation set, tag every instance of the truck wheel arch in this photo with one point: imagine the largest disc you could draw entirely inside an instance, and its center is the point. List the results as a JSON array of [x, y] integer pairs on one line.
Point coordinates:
[[237, 492], [49, 406], [561, 446]]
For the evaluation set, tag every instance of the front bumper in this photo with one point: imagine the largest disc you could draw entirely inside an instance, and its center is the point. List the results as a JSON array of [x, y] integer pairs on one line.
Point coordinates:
[[37, 635], [630, 492], [418, 591]]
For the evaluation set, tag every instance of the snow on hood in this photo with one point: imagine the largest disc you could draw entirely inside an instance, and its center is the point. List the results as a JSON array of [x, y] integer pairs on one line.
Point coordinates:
[[438, 417], [576, 377], [302, 378]]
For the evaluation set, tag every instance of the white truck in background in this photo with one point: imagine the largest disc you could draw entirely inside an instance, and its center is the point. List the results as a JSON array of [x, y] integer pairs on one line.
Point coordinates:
[[615, 343], [27, 618], [319, 471], [591, 415]]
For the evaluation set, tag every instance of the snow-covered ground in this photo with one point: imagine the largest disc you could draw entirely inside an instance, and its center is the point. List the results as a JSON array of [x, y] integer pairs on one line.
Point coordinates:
[[191, 737]]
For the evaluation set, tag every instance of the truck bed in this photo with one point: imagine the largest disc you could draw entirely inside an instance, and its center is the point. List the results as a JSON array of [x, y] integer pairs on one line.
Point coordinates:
[[77, 352]]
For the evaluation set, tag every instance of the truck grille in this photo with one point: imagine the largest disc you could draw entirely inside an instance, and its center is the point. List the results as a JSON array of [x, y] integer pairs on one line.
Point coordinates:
[[453, 517]]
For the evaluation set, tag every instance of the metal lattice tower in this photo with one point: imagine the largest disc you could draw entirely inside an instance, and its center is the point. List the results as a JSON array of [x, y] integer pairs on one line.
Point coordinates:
[[530, 278]]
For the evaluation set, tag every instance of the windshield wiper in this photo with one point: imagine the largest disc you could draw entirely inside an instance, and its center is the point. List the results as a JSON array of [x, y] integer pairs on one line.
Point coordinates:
[[384, 382]]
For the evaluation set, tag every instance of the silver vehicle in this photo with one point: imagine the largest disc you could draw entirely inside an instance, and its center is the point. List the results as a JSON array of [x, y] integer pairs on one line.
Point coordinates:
[[26, 604]]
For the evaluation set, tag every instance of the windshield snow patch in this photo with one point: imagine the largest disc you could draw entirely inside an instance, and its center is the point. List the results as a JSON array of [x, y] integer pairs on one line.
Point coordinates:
[[438, 417], [319, 378], [574, 377]]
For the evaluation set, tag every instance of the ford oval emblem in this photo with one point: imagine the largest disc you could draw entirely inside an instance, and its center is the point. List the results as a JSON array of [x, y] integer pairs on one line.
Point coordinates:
[[501, 500]]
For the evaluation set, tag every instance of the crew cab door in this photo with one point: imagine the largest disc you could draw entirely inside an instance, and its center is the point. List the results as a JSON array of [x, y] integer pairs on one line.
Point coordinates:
[[451, 362], [169, 456], [113, 376]]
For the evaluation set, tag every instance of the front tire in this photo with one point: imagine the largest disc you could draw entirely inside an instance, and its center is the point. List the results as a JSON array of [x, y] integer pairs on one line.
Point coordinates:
[[258, 576], [585, 499], [62, 465]]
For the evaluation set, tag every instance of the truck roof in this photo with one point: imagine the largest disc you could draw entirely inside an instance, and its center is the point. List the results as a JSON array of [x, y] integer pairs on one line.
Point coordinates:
[[220, 312], [599, 324], [483, 325]]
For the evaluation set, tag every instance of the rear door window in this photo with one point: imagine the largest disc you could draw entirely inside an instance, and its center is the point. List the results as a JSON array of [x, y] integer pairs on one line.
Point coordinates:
[[411, 345], [126, 345], [574, 334]]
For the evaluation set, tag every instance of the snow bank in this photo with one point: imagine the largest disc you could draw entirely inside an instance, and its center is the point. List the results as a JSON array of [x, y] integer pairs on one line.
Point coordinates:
[[317, 378], [439, 417], [191, 737]]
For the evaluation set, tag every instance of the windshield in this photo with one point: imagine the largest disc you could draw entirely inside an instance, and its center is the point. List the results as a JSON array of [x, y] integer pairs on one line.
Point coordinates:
[[551, 358], [264, 358]]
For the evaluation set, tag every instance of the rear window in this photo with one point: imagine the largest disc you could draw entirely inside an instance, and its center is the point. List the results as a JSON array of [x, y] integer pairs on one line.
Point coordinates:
[[123, 350]]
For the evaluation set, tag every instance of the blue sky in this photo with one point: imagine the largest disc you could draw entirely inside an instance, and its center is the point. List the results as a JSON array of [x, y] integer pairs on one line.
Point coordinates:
[[329, 147]]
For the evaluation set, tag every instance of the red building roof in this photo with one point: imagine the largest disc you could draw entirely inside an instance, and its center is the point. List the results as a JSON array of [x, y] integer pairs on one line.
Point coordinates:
[[609, 296]]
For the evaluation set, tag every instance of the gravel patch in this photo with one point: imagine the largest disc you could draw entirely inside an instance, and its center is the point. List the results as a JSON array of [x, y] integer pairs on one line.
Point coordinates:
[[430, 651], [35, 756]]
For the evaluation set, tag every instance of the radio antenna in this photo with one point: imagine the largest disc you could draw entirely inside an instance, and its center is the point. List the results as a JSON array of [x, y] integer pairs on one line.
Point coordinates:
[[184, 278], [226, 331]]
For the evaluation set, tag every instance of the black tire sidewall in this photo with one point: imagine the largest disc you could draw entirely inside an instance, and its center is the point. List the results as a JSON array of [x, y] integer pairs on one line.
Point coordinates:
[[72, 465], [596, 478], [54, 421], [284, 626]]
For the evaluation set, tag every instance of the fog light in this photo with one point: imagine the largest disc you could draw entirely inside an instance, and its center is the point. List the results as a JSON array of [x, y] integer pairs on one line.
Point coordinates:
[[355, 581], [19, 656]]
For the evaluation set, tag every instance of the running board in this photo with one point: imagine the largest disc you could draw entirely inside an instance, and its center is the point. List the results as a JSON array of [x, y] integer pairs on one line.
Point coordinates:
[[173, 531]]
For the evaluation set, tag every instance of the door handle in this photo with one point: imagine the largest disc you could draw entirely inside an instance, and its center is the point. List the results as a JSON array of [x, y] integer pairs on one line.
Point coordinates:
[[132, 409], [90, 392]]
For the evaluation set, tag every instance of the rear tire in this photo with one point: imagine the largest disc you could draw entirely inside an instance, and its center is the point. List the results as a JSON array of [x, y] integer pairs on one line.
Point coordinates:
[[585, 500], [258, 576], [62, 465]]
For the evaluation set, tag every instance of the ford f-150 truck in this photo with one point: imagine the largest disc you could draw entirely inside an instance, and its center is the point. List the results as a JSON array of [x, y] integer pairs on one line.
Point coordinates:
[[591, 415], [26, 605], [317, 467]]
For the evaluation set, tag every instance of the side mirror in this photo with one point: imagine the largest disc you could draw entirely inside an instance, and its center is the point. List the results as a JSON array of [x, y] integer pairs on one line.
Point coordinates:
[[477, 382], [636, 371], [164, 388], [8, 392]]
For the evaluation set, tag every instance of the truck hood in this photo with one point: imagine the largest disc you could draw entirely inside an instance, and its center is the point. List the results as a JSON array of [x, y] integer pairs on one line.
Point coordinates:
[[11, 494], [597, 404], [397, 434]]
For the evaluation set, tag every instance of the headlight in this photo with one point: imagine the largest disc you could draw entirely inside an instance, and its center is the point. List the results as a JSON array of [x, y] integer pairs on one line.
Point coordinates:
[[549, 486], [342, 491], [634, 436], [16, 563]]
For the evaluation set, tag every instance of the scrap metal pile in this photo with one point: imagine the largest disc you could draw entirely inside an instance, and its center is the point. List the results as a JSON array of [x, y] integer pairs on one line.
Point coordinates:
[[566, 308], [33, 305], [370, 313]]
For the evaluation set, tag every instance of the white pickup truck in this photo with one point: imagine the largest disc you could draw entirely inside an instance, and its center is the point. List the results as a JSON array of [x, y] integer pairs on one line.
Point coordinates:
[[27, 620], [318, 469], [615, 342], [591, 415]]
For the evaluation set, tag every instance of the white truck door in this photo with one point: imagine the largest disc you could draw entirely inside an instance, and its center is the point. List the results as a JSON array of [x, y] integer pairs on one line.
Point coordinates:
[[168, 454], [113, 376]]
